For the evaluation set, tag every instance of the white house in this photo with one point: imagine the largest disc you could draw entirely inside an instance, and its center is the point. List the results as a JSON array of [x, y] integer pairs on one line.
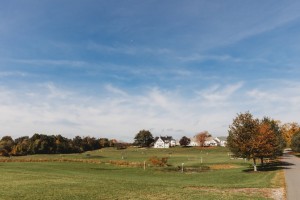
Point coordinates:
[[210, 142], [222, 141], [194, 142], [164, 142]]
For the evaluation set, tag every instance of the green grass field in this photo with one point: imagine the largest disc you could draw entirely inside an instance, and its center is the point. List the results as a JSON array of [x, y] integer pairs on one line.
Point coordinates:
[[224, 179]]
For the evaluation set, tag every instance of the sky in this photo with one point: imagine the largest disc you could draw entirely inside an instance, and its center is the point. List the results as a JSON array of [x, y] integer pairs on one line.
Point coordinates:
[[112, 68]]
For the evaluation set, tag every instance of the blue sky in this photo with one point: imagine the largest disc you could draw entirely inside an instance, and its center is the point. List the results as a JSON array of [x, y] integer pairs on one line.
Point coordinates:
[[112, 68]]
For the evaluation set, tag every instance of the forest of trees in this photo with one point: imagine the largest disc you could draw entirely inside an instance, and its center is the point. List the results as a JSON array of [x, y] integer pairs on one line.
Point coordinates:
[[51, 144]]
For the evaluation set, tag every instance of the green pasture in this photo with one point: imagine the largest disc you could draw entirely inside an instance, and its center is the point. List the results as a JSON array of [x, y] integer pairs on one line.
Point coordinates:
[[176, 156], [79, 180]]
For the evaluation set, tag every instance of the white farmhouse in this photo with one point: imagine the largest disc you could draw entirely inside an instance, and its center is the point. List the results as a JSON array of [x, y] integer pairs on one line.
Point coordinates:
[[194, 142], [210, 142], [222, 141], [164, 142]]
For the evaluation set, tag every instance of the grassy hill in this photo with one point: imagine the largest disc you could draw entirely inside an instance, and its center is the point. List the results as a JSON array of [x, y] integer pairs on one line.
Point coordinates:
[[100, 175]]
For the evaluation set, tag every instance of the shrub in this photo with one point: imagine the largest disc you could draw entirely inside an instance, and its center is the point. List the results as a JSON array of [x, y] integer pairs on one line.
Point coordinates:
[[155, 161]]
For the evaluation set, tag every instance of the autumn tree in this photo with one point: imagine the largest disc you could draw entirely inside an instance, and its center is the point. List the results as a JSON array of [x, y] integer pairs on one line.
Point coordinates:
[[6, 145], [279, 142], [143, 138], [201, 137], [243, 135], [184, 141], [252, 139], [295, 142], [288, 130], [21, 146], [268, 143]]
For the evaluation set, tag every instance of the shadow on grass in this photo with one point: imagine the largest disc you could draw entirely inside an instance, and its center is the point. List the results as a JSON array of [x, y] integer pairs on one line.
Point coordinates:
[[93, 157], [106, 169], [273, 166]]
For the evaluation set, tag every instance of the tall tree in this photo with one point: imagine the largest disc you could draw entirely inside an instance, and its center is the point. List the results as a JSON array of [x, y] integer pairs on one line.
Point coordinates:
[[143, 138], [279, 142], [266, 142], [242, 136]]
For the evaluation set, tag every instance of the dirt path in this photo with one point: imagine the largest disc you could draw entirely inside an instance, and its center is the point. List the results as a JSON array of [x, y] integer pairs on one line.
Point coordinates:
[[292, 176]]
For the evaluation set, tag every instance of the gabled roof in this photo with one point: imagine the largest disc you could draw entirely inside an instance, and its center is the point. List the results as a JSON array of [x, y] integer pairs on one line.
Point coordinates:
[[222, 138], [165, 139]]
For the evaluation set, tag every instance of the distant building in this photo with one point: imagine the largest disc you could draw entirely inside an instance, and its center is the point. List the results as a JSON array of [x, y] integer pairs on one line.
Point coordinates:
[[194, 142], [222, 141], [209, 142], [164, 142]]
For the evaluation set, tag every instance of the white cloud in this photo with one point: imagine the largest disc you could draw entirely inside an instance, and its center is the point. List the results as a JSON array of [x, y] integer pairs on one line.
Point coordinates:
[[54, 92], [220, 58], [54, 62], [280, 101], [120, 114], [216, 93], [203, 57], [110, 88], [13, 73], [126, 49]]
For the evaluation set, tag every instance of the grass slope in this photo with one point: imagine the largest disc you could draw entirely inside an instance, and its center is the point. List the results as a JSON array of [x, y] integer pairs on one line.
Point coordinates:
[[72, 180]]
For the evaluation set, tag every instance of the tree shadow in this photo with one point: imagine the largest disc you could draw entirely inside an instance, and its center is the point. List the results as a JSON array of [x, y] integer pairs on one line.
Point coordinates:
[[272, 166], [106, 169], [93, 157]]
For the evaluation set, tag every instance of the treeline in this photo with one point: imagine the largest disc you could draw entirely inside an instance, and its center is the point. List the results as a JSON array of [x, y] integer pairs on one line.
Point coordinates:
[[51, 144]]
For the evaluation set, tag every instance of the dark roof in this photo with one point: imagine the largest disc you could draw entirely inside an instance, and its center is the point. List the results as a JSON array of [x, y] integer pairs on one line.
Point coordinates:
[[166, 139]]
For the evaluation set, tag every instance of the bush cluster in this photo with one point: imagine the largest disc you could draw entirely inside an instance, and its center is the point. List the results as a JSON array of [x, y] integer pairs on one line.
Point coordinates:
[[159, 162]]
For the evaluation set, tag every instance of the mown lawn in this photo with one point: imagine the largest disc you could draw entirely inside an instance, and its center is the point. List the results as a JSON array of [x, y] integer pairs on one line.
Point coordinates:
[[76, 180]]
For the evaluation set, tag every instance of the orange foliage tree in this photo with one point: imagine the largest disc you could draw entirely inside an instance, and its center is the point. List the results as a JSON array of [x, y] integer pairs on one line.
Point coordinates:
[[266, 141], [254, 139], [201, 137], [288, 130]]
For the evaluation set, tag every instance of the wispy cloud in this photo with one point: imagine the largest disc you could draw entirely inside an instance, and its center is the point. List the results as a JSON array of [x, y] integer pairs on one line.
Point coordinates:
[[220, 58], [56, 93], [112, 89], [54, 62], [126, 49], [13, 74], [220, 94]]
